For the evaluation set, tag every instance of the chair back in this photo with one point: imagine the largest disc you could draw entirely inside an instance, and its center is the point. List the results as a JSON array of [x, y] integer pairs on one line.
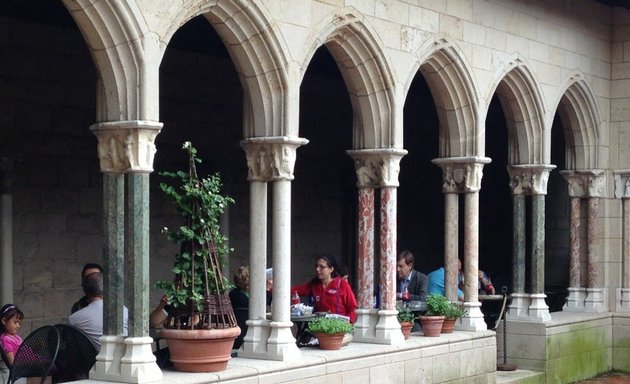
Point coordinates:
[[36, 354], [77, 354]]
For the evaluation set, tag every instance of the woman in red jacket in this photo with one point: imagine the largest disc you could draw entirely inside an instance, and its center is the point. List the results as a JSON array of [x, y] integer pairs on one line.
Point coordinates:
[[329, 292]]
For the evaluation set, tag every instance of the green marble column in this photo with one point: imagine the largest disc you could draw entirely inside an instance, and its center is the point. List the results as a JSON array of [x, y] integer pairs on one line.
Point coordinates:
[[137, 270], [538, 244], [518, 246], [114, 252]]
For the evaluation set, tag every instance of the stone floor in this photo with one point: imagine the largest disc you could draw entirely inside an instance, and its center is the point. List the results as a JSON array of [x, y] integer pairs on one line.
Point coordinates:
[[612, 378]]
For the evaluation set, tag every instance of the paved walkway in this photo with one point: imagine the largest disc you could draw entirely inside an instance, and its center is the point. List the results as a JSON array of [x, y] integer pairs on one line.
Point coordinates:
[[613, 378]]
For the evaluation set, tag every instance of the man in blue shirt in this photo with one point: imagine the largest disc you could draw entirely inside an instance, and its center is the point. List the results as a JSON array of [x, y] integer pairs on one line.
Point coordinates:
[[436, 282]]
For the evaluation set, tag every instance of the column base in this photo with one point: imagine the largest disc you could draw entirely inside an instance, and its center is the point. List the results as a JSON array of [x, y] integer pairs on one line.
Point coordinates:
[[365, 326], [387, 330], [519, 307], [255, 341], [473, 321], [538, 309], [575, 300], [281, 345], [138, 364], [623, 300], [594, 301], [107, 365]]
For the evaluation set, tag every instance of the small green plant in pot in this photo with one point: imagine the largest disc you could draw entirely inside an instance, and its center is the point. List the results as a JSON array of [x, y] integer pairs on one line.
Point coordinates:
[[432, 320], [330, 331], [406, 318], [453, 312]]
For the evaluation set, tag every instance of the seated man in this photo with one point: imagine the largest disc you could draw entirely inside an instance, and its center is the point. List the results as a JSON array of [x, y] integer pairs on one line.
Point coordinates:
[[90, 319], [436, 282], [410, 281], [87, 269]]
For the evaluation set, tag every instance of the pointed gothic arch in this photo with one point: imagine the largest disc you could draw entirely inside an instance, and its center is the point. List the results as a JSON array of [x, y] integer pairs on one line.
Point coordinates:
[[581, 118], [523, 106], [452, 87], [128, 55], [367, 75]]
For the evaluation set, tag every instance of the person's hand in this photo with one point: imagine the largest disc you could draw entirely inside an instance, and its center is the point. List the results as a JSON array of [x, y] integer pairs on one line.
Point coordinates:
[[163, 301], [269, 284]]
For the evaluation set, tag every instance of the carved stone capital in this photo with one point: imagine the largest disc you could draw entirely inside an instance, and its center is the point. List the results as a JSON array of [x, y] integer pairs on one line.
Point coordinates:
[[461, 174], [585, 183], [271, 158], [126, 146], [529, 179], [622, 183], [377, 167]]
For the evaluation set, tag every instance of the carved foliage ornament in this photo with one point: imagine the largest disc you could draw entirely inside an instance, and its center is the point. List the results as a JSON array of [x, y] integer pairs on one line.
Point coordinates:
[[462, 177], [585, 183], [271, 159], [127, 146], [377, 168], [529, 180]]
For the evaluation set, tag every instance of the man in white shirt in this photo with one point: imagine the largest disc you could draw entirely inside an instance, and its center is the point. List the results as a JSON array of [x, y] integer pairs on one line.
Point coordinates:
[[90, 319]]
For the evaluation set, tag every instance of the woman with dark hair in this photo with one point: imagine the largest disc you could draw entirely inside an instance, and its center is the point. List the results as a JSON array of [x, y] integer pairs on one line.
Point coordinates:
[[329, 292]]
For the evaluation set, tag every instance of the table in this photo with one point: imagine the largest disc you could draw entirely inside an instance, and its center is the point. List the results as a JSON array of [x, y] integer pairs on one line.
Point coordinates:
[[301, 322]]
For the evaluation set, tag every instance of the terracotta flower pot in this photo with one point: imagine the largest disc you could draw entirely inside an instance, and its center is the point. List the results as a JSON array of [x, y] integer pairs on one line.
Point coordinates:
[[329, 341], [406, 328], [448, 326], [200, 350], [431, 325]]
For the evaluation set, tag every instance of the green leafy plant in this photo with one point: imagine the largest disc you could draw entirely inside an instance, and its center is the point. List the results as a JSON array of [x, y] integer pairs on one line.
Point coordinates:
[[437, 305], [406, 316], [455, 311], [330, 325], [203, 249]]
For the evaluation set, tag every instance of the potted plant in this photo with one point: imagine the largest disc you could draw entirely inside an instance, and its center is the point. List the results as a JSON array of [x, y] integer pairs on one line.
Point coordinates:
[[200, 309], [453, 312], [431, 321], [330, 331], [406, 319]]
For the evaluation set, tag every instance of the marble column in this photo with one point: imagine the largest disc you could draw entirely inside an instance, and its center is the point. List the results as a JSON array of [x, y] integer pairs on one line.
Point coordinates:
[[273, 159], [529, 180], [463, 175], [126, 147], [6, 229], [577, 294], [588, 185], [451, 245], [622, 191]]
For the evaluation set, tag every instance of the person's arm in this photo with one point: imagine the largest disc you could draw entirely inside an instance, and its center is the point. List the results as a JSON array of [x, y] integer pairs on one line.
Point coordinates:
[[159, 314], [350, 301]]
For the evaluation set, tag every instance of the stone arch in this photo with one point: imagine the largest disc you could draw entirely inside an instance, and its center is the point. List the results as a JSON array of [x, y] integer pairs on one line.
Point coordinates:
[[367, 75], [452, 87], [116, 35], [128, 56], [581, 118], [522, 102]]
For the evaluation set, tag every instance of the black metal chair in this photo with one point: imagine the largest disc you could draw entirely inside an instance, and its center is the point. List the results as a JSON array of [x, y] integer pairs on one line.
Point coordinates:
[[77, 355], [36, 355]]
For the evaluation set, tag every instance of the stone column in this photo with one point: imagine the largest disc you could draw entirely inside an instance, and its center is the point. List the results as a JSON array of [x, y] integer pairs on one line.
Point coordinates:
[[273, 159], [529, 180], [367, 315], [6, 229], [622, 191], [387, 168], [463, 175], [126, 147], [451, 244], [575, 299], [588, 185]]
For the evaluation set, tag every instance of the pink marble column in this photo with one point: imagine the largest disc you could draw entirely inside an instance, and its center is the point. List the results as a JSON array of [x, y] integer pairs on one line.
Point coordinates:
[[451, 228], [593, 242], [626, 244], [471, 247], [365, 247], [388, 248], [574, 233]]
